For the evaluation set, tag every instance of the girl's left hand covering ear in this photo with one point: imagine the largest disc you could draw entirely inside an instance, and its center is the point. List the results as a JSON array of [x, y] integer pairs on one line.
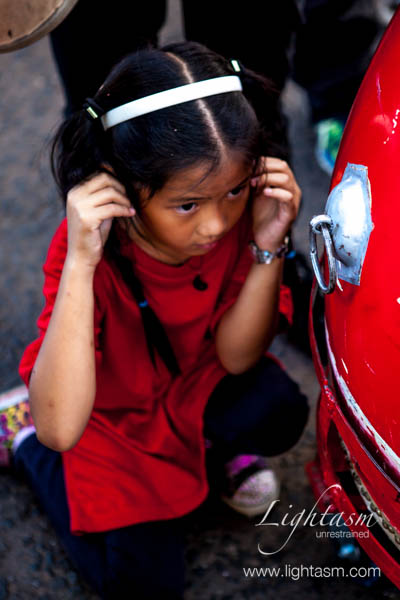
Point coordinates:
[[276, 202]]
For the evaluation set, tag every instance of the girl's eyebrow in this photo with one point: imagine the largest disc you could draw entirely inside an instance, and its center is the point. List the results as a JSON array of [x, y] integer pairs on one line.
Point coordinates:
[[181, 199], [245, 180]]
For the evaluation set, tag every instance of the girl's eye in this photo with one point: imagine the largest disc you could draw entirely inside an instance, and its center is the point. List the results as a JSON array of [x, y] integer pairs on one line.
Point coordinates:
[[186, 208], [237, 190]]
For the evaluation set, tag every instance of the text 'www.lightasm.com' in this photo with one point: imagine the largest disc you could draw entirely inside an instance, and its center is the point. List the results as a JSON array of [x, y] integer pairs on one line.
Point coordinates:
[[303, 571]]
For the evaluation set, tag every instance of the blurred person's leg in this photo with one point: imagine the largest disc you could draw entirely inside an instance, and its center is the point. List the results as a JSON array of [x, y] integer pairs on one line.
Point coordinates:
[[333, 48], [95, 36], [256, 33]]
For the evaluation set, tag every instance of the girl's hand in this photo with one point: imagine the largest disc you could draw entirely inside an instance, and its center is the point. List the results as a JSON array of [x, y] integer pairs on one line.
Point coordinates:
[[91, 207], [276, 202]]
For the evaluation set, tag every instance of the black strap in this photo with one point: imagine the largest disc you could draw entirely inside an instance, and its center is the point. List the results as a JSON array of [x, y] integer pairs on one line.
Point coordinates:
[[156, 338]]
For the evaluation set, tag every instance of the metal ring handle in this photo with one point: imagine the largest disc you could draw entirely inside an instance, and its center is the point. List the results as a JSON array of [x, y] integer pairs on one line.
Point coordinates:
[[322, 225]]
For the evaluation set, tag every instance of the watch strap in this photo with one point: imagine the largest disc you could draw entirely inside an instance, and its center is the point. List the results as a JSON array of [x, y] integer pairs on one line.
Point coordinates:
[[265, 256]]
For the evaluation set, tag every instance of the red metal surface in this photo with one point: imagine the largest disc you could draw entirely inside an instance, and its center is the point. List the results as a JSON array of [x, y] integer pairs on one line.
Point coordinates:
[[323, 472], [360, 397], [364, 321]]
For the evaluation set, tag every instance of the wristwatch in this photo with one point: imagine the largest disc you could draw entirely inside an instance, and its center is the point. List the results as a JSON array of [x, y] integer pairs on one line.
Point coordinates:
[[265, 256]]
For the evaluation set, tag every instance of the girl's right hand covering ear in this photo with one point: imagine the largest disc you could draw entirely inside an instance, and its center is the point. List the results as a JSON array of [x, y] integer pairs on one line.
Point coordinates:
[[276, 202], [91, 207]]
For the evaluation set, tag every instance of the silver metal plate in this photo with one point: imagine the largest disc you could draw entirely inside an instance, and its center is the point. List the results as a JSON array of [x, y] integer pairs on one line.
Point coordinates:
[[349, 206]]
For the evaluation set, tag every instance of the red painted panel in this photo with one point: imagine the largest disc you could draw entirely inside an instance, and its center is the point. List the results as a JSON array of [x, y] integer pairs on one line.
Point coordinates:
[[364, 321]]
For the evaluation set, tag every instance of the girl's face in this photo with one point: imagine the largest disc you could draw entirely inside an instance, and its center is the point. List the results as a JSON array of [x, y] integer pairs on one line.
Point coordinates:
[[194, 209]]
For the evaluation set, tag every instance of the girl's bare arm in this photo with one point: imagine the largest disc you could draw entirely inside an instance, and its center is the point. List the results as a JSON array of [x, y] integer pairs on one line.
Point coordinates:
[[247, 328], [63, 382]]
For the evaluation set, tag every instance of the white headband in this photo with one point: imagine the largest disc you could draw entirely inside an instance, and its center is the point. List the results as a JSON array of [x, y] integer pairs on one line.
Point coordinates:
[[178, 95]]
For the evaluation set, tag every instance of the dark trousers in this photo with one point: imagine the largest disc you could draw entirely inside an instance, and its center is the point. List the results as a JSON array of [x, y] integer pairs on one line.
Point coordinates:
[[259, 412], [332, 52]]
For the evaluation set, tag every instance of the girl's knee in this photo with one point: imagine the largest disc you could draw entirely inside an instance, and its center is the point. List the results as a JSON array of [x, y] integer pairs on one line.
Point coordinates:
[[287, 413], [279, 388], [290, 422]]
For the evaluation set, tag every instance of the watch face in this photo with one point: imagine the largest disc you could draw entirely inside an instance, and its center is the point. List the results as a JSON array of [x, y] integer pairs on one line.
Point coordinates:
[[262, 256], [267, 259]]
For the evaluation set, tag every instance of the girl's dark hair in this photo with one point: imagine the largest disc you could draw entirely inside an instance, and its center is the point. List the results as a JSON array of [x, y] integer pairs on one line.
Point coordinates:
[[146, 151]]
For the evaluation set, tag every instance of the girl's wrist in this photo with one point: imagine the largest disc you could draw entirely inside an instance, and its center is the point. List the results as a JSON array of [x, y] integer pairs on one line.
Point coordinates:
[[266, 252], [74, 264], [271, 243]]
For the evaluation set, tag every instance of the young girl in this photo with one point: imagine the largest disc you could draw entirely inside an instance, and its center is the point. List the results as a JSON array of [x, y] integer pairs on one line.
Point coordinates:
[[163, 291]]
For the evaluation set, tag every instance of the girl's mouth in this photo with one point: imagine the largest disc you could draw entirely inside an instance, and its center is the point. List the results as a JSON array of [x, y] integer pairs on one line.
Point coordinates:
[[208, 246]]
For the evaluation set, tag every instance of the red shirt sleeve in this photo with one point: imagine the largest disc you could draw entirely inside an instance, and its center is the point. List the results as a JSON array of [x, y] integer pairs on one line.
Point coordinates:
[[52, 269]]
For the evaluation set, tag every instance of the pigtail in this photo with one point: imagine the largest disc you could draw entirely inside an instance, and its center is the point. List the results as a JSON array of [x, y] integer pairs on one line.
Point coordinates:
[[156, 338], [79, 150]]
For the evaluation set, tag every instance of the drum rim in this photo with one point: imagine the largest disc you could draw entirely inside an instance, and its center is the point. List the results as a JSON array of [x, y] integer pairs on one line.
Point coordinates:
[[46, 27]]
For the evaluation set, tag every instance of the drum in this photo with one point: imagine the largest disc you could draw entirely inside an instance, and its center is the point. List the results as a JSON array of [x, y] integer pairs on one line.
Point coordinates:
[[22, 22]]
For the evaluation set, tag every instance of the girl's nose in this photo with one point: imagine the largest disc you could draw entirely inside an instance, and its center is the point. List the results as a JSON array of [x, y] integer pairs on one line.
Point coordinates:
[[213, 224]]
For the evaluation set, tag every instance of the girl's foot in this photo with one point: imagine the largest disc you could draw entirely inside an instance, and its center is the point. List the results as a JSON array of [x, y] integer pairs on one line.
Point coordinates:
[[15, 421], [250, 485]]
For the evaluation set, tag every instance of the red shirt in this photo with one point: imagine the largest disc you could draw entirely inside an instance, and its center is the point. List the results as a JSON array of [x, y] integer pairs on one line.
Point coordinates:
[[141, 456]]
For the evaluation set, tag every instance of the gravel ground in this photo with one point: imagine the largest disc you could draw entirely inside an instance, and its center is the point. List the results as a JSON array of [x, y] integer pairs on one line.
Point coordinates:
[[221, 543]]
